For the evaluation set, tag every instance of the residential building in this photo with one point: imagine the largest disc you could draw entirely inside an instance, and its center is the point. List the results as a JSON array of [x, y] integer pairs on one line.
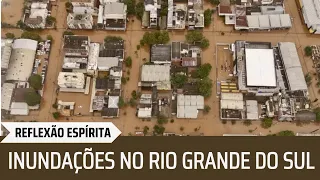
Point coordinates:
[[115, 16], [21, 60], [71, 82], [195, 14], [311, 14], [79, 21], [188, 106], [145, 106], [255, 15], [76, 46], [83, 3], [150, 16], [94, 49], [66, 108], [155, 75], [185, 54], [6, 50], [177, 15], [36, 16], [160, 54]]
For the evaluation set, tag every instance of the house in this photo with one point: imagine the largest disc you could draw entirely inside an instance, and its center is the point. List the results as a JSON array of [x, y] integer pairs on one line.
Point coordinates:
[[71, 82], [36, 16], [150, 15], [195, 14], [311, 14], [76, 46], [21, 60], [93, 58], [115, 16], [155, 75], [185, 54], [177, 15], [160, 54], [79, 21], [106, 63], [83, 3], [145, 106], [66, 108]]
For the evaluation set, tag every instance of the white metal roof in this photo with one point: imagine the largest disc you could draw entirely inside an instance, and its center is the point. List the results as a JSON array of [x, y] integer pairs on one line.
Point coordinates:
[[19, 108], [231, 104], [292, 67], [105, 63], [25, 44], [232, 96], [154, 73], [115, 10], [285, 20], [144, 112], [6, 95], [93, 56], [253, 21], [275, 21], [311, 12], [71, 80], [113, 102], [264, 21], [260, 68], [252, 109], [188, 105]]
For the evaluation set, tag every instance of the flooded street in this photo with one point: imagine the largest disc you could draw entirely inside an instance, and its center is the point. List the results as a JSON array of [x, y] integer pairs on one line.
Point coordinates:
[[209, 124]]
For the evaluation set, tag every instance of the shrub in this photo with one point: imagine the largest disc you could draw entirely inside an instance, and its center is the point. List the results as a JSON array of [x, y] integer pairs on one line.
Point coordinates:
[[266, 123], [308, 50], [31, 35], [56, 115], [247, 122], [10, 36], [172, 121], [162, 119], [67, 33], [207, 109], [158, 130], [128, 62]]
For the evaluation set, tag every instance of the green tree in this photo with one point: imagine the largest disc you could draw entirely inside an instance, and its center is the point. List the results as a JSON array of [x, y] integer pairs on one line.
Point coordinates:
[[156, 37], [197, 36], [132, 102], [158, 130], [145, 130], [121, 103], [21, 25], [50, 20], [215, 2], [308, 50], [128, 62], [179, 80], [31, 35], [308, 79], [266, 123], [49, 37], [247, 122], [68, 6], [206, 109], [162, 119], [56, 115], [67, 33], [35, 81], [123, 80], [10, 36], [139, 10], [134, 94], [164, 8], [203, 71], [131, 7], [112, 39], [205, 87], [32, 98], [207, 17], [286, 133]]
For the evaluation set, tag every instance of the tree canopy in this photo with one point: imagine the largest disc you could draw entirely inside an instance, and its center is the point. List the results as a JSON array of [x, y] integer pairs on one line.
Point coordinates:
[[159, 130], [207, 109], [131, 7], [207, 17], [266, 123], [214, 2], [121, 103], [32, 98], [308, 79], [139, 10], [128, 62], [308, 50], [286, 133], [68, 33], [162, 119], [179, 80], [35, 81], [156, 37], [31, 35], [197, 36], [112, 39], [203, 71], [10, 36], [50, 20], [205, 87], [56, 115]]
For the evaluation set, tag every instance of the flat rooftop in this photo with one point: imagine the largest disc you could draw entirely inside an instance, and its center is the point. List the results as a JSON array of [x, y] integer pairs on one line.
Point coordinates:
[[260, 68]]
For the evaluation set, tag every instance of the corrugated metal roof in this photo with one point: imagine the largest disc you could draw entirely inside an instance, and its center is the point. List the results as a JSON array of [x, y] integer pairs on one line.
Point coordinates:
[[292, 65], [252, 109], [231, 104]]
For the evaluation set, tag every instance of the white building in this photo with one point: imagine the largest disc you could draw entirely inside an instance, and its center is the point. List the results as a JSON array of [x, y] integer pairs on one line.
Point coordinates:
[[37, 15], [6, 50], [71, 82], [93, 58], [21, 60], [6, 95], [188, 106], [311, 13], [152, 6], [115, 16], [79, 21], [83, 3], [156, 75]]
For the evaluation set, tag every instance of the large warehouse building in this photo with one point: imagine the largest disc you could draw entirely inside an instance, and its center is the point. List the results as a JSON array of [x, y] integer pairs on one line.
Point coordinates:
[[311, 14]]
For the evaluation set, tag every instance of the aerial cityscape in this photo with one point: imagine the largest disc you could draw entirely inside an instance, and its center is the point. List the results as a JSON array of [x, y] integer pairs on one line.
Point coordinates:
[[164, 67]]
